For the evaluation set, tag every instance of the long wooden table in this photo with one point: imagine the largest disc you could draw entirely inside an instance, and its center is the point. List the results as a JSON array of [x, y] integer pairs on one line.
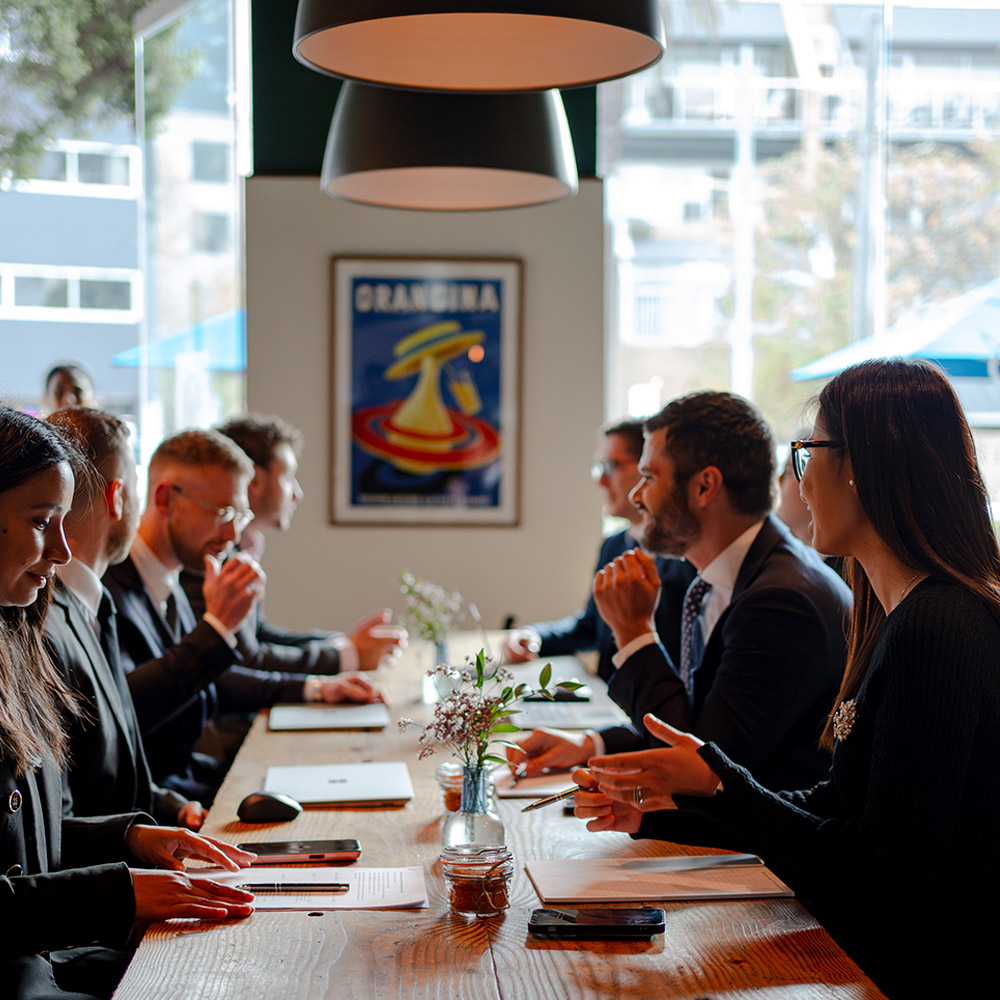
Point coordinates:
[[769, 948]]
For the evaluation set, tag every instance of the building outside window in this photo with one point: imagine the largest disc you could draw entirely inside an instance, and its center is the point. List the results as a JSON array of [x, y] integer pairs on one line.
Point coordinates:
[[796, 178]]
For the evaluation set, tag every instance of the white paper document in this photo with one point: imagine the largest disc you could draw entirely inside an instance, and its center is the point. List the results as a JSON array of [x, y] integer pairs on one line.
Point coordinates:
[[532, 788], [369, 888], [713, 876], [307, 716]]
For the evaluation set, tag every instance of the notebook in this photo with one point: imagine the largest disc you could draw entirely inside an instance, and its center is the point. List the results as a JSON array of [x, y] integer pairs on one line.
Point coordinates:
[[633, 880], [299, 716], [371, 783]]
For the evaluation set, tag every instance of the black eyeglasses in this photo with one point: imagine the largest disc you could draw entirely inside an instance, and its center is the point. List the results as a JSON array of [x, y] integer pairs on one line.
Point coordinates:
[[223, 515], [801, 456], [608, 467]]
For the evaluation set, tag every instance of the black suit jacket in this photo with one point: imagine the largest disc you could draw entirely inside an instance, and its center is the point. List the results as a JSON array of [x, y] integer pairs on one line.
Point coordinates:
[[176, 687], [587, 630], [108, 771], [770, 670], [54, 904], [170, 683]]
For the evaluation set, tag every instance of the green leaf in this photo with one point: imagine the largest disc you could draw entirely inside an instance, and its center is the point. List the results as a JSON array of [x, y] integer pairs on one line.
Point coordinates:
[[507, 743], [506, 694], [545, 676], [570, 685], [505, 727], [495, 759], [520, 689]]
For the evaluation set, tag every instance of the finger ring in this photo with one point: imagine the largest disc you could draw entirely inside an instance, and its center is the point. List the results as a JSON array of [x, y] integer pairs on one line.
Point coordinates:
[[637, 796]]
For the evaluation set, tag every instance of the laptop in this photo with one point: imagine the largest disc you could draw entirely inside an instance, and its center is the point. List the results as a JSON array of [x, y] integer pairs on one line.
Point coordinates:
[[309, 716], [372, 784]]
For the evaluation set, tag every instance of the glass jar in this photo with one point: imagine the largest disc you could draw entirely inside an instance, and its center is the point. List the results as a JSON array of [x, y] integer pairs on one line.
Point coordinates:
[[476, 821], [449, 778], [478, 878]]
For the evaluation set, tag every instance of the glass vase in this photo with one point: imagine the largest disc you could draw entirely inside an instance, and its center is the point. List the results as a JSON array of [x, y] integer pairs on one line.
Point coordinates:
[[476, 821]]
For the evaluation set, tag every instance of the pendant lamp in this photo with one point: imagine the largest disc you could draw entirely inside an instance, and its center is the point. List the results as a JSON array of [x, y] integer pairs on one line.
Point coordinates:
[[408, 149], [479, 46]]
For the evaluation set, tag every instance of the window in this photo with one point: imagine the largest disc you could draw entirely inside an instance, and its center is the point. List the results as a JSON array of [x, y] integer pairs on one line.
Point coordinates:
[[46, 293], [100, 168], [210, 162], [51, 167], [743, 174], [105, 294], [210, 232]]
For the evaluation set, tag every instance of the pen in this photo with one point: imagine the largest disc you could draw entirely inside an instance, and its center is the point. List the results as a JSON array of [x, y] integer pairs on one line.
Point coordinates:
[[295, 886], [549, 799]]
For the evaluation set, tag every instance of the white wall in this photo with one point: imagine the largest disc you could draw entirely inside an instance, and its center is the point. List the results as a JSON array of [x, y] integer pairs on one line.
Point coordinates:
[[325, 575]]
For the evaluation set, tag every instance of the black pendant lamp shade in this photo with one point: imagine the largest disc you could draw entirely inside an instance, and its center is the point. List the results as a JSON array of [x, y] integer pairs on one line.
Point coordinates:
[[407, 149], [479, 46]]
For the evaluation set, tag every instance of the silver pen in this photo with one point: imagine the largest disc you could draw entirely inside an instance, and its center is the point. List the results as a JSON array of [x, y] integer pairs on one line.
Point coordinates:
[[558, 797], [294, 886]]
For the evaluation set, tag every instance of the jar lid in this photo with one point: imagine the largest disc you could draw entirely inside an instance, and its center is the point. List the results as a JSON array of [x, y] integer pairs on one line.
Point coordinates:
[[477, 858]]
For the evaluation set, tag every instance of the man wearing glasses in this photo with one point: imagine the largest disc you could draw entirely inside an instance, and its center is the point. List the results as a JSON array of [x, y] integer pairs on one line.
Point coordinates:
[[615, 471], [181, 671], [762, 644]]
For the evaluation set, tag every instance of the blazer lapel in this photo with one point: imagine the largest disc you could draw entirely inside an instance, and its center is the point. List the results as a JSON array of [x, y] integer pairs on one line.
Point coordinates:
[[767, 538], [83, 631]]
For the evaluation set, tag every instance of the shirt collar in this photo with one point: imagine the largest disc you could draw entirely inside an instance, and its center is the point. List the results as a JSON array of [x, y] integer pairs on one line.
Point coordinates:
[[82, 582], [722, 571], [159, 581]]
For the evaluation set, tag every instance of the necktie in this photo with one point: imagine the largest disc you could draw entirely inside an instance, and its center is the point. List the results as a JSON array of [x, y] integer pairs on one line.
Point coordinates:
[[170, 615], [690, 652], [107, 630]]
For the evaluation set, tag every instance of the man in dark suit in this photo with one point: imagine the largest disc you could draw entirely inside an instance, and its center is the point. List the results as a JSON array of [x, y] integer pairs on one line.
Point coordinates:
[[763, 646], [274, 446], [108, 770], [615, 470], [181, 669]]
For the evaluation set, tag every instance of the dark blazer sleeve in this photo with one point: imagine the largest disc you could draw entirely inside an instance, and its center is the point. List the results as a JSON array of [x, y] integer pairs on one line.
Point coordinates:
[[55, 904], [162, 681], [245, 689], [264, 646], [769, 676], [64, 908]]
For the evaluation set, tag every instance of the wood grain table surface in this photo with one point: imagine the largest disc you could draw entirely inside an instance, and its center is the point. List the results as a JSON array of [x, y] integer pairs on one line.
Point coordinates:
[[768, 949]]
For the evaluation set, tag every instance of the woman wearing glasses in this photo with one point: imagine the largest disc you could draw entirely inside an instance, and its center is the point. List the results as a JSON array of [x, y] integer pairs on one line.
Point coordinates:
[[897, 853], [47, 901]]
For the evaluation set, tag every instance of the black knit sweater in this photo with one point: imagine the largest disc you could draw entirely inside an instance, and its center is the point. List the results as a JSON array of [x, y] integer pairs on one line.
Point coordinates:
[[898, 854]]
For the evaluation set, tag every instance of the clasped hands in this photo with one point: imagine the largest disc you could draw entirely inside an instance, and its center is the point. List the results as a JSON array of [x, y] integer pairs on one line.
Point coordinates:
[[626, 592], [611, 800], [163, 895]]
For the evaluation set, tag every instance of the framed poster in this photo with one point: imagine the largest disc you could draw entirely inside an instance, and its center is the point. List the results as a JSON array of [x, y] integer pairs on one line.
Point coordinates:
[[425, 391]]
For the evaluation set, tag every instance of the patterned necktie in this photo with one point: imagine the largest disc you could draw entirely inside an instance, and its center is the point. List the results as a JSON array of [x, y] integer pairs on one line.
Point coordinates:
[[690, 657]]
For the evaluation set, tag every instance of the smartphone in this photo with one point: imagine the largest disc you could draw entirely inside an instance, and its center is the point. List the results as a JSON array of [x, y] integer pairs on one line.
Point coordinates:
[[597, 924], [561, 694], [281, 852]]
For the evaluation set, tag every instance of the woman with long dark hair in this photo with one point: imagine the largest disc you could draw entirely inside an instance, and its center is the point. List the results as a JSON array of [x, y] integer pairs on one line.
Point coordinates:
[[897, 854], [46, 901]]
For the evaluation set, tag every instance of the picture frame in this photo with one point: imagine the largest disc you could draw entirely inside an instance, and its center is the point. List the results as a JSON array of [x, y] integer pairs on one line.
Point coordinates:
[[425, 391]]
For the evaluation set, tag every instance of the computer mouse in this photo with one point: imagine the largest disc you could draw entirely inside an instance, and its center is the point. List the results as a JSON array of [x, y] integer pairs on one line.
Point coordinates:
[[268, 807]]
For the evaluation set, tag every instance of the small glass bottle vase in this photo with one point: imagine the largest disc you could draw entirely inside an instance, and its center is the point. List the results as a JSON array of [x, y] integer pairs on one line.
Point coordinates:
[[476, 821]]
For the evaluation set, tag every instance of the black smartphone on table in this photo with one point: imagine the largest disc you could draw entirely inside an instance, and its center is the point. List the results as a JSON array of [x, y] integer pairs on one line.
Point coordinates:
[[597, 923], [283, 852]]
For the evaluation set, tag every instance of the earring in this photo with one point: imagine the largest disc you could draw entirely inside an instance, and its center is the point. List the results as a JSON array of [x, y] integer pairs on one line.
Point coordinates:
[[850, 482]]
